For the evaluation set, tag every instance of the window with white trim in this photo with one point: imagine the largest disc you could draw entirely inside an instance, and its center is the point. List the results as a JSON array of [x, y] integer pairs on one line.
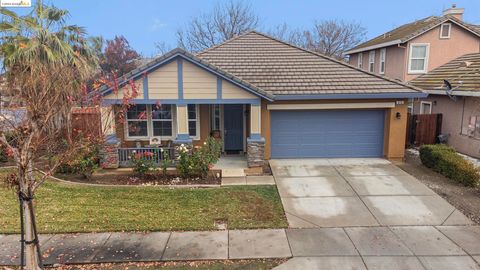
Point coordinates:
[[137, 121], [445, 29], [215, 113], [425, 107], [381, 67], [193, 127], [360, 60], [474, 127], [371, 61], [418, 58], [162, 120]]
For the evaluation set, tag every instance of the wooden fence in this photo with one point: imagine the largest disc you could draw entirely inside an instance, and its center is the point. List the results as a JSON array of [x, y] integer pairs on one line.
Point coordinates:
[[86, 122], [423, 128]]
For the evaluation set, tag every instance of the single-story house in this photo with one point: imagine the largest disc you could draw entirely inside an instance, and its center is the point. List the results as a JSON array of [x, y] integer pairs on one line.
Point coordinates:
[[459, 104], [269, 99]]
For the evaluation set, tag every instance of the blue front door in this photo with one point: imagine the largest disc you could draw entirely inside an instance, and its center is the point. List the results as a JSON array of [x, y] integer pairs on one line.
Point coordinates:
[[233, 127]]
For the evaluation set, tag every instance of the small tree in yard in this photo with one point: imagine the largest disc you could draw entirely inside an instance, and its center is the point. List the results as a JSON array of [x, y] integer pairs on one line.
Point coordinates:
[[46, 63]]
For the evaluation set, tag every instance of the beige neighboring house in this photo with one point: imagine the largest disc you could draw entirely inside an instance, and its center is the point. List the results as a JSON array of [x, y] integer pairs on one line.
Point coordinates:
[[416, 48], [460, 107]]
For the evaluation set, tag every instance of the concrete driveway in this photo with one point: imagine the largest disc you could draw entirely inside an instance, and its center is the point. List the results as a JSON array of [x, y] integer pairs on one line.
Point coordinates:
[[357, 192], [369, 214]]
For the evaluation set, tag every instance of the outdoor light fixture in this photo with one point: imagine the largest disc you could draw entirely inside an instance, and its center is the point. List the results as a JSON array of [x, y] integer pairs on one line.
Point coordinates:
[[398, 115]]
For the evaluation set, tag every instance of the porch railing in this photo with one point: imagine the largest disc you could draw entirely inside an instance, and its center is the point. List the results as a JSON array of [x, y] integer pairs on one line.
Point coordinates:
[[154, 153]]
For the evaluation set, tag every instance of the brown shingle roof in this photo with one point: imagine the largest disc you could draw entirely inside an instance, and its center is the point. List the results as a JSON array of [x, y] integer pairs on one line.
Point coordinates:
[[283, 69], [463, 74], [410, 30]]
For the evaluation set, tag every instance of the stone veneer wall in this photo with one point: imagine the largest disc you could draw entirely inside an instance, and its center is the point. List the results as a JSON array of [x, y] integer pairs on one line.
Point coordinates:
[[255, 153], [109, 156]]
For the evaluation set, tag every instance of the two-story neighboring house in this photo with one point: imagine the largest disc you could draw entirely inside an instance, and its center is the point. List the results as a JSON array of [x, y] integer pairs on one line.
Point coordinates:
[[416, 48], [424, 53]]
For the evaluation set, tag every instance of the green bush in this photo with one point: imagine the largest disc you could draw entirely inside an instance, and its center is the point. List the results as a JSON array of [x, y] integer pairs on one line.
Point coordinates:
[[445, 160], [143, 162], [200, 160], [85, 162]]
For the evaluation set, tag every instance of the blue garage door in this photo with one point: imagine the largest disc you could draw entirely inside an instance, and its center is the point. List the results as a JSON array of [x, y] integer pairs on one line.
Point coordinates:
[[327, 133]]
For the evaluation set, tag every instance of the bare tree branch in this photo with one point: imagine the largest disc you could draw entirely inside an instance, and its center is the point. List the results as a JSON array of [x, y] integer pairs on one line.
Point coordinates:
[[224, 22]]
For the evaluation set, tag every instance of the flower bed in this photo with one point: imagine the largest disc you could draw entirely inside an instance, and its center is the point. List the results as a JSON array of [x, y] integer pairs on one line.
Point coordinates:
[[192, 167]]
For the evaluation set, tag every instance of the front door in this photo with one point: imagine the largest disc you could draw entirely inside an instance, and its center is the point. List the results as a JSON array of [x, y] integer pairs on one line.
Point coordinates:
[[233, 127]]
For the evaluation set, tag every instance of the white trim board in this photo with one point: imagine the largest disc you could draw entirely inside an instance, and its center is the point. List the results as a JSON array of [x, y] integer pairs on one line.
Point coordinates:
[[330, 106]]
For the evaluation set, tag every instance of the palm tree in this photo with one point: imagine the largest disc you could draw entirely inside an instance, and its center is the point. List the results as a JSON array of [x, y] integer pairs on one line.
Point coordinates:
[[46, 62]]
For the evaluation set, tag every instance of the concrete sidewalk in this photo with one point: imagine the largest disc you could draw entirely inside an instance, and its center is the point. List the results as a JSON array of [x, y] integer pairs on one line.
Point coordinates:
[[405, 247]]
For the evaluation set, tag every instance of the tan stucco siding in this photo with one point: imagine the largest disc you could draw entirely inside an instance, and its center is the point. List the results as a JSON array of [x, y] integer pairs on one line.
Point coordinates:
[[163, 82], [231, 91], [198, 83], [455, 121], [128, 89], [442, 51], [394, 133]]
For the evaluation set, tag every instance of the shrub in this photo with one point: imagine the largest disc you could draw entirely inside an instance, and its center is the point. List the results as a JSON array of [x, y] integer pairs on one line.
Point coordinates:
[[200, 160], [143, 162], [445, 160], [85, 162]]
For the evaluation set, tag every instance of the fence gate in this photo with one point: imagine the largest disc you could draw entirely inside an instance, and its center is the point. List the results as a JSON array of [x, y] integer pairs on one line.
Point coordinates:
[[86, 121], [423, 129]]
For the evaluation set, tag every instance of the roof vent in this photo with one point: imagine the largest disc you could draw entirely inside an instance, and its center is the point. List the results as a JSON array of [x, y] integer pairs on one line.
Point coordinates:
[[454, 12]]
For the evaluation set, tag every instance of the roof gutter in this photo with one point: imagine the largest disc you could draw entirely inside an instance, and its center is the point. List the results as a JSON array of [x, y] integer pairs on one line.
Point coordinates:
[[353, 96], [462, 93], [377, 46]]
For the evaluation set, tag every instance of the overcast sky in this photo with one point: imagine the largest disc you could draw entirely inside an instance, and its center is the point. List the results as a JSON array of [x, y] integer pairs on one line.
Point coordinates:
[[144, 22]]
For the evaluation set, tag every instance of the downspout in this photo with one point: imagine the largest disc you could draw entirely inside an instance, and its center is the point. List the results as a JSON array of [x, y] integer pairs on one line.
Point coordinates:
[[463, 114]]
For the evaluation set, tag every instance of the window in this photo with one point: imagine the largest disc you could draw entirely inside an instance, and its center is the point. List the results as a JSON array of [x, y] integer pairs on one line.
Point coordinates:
[[162, 120], [360, 60], [383, 53], [215, 113], [193, 120], [371, 61], [445, 30], [418, 59], [474, 127], [137, 121], [425, 107]]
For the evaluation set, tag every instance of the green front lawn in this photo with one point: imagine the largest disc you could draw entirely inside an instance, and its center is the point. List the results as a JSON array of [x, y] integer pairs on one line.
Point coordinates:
[[65, 208]]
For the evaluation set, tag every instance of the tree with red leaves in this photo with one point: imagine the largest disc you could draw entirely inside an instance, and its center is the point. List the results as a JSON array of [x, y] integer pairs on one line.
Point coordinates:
[[118, 58]]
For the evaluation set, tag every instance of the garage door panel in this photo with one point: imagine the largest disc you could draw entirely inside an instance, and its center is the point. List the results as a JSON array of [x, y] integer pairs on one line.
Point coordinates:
[[327, 133]]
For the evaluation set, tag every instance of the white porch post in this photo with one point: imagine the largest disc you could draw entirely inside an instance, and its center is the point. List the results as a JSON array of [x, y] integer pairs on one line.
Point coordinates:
[[255, 143], [182, 124]]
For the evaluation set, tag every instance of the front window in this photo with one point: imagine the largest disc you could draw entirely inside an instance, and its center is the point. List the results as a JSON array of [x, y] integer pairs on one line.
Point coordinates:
[[383, 53], [137, 121], [360, 60], [162, 120], [192, 120], [215, 112], [418, 58], [371, 61]]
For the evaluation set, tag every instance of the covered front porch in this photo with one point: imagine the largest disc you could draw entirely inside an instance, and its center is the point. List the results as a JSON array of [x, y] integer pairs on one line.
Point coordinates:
[[151, 127]]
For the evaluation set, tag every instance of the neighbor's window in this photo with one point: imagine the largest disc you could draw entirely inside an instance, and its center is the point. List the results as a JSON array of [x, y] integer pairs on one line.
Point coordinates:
[[192, 120], [383, 53], [474, 127], [425, 107], [360, 60], [445, 29], [162, 120], [418, 58], [137, 121], [371, 61], [215, 113]]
